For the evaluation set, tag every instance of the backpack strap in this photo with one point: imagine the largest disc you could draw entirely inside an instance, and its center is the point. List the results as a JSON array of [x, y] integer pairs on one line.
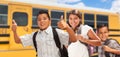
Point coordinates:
[[63, 50], [56, 38], [34, 41], [107, 41]]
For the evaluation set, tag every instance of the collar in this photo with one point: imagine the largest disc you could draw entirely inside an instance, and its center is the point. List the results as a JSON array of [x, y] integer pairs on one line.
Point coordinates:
[[78, 30], [80, 26], [48, 30]]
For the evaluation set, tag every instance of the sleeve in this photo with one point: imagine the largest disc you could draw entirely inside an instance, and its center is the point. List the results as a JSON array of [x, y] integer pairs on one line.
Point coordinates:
[[114, 44], [85, 29], [27, 40], [63, 36]]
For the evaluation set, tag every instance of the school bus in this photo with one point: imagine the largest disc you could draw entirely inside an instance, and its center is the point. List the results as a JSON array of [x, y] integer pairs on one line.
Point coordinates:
[[25, 16]]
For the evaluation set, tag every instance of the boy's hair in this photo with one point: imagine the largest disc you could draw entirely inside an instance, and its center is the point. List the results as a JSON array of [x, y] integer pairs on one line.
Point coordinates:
[[43, 12], [101, 26]]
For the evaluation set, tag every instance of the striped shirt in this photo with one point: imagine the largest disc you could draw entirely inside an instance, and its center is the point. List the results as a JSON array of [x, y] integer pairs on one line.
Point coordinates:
[[46, 46], [101, 52], [112, 44]]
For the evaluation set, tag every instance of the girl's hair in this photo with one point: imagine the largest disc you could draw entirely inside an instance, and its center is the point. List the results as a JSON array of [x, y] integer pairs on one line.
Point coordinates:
[[77, 13]]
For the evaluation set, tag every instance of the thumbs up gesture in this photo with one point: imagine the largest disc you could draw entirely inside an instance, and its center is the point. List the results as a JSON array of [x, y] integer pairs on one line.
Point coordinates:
[[62, 24], [14, 26]]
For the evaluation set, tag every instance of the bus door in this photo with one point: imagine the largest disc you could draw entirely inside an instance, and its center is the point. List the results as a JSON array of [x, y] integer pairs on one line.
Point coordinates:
[[22, 14]]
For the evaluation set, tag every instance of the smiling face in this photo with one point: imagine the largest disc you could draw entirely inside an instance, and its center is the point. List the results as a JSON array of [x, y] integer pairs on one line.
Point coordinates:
[[103, 33], [74, 20], [43, 21]]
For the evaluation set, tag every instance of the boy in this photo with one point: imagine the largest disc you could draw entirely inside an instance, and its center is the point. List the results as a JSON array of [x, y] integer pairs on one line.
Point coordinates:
[[110, 47], [46, 46]]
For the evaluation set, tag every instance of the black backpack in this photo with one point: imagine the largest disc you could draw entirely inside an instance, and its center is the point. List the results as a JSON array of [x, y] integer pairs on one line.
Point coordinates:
[[63, 50], [107, 54]]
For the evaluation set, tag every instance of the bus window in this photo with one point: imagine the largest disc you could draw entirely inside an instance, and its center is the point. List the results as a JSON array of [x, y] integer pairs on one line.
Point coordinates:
[[3, 14], [55, 16], [34, 15], [89, 19], [21, 18], [102, 19]]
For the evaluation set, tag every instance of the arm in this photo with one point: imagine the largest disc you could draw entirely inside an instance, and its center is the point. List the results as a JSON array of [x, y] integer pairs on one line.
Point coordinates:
[[14, 28], [111, 50], [94, 39], [112, 47], [63, 25], [71, 34]]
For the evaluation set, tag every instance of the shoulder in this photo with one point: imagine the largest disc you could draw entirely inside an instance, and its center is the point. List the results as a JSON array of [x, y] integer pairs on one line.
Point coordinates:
[[34, 33], [113, 44], [86, 26], [31, 34], [60, 30], [57, 29], [112, 41], [27, 36]]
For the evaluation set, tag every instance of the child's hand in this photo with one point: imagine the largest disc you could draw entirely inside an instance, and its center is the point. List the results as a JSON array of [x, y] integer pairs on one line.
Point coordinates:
[[106, 48], [62, 24], [14, 26]]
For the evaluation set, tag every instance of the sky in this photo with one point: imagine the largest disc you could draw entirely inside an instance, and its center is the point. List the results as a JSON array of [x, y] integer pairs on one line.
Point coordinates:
[[113, 5], [103, 4]]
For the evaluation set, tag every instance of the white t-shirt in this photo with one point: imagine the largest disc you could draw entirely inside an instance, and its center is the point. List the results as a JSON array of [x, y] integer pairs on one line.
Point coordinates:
[[78, 49]]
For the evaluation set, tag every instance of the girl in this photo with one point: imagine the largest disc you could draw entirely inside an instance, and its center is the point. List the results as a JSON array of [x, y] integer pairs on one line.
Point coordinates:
[[85, 35]]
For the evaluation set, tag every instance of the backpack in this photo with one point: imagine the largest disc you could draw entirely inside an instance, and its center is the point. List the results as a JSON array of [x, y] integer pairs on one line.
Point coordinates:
[[63, 50], [107, 54]]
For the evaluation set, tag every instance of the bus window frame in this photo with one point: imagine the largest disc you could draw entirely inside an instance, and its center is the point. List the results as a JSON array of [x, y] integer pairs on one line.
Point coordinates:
[[102, 22], [90, 21], [56, 19]]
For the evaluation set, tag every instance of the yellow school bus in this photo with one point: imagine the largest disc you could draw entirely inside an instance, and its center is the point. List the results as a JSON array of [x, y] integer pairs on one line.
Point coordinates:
[[25, 16]]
